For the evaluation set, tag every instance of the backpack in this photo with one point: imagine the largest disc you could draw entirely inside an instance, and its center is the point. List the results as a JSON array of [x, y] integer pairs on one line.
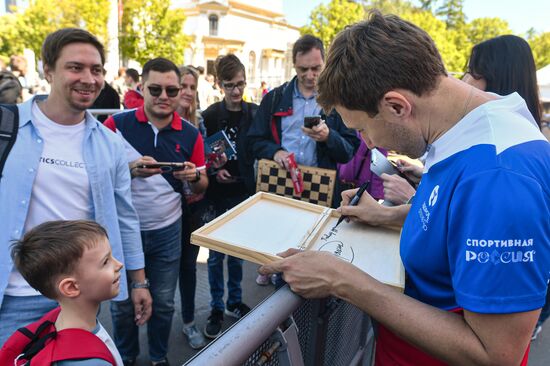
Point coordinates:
[[10, 88], [39, 344], [9, 124]]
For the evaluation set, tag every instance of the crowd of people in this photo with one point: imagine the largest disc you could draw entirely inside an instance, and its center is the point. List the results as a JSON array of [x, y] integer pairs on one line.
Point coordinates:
[[104, 211]]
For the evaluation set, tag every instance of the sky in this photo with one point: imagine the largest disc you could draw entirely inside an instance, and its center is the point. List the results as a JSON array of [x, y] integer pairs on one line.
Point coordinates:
[[521, 15]]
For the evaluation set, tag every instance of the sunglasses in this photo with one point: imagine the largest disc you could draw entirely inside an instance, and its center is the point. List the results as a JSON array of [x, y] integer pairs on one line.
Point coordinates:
[[171, 91], [230, 86]]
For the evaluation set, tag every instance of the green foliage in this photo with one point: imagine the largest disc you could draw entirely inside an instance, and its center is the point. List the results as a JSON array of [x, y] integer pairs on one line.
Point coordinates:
[[447, 25], [396, 7], [151, 29], [327, 20], [482, 29], [453, 13], [447, 41], [426, 4], [540, 45], [10, 43], [28, 29]]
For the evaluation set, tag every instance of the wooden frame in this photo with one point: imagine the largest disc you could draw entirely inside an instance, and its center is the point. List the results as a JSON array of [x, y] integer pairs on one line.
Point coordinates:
[[267, 224]]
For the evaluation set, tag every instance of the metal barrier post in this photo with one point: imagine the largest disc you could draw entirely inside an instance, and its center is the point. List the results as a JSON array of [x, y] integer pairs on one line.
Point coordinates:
[[255, 327]]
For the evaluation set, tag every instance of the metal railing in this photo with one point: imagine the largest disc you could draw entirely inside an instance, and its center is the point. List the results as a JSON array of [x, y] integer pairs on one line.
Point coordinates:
[[287, 330], [97, 112]]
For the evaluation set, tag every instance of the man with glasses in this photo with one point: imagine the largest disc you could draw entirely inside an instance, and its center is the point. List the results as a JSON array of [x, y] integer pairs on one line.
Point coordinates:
[[230, 185], [279, 130], [156, 133]]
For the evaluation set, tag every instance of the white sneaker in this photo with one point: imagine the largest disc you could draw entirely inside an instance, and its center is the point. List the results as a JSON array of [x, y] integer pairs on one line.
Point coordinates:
[[536, 332]]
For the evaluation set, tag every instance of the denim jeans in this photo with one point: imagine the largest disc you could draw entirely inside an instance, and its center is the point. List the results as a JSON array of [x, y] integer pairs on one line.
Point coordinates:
[[234, 265], [215, 278], [195, 215], [162, 250], [19, 311]]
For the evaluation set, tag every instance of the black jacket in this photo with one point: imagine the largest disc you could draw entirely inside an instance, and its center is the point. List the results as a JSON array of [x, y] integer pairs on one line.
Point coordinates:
[[216, 118]]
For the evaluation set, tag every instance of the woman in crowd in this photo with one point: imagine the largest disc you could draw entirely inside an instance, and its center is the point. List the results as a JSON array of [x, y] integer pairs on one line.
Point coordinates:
[[504, 65], [193, 217], [501, 65]]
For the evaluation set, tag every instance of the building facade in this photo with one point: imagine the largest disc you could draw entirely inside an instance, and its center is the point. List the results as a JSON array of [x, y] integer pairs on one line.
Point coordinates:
[[254, 30]]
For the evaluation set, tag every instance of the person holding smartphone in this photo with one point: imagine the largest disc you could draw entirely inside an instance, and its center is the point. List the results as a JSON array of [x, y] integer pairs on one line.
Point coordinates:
[[156, 133], [290, 120]]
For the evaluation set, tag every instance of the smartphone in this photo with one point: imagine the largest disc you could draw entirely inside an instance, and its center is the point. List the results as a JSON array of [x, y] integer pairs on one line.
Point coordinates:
[[310, 121], [379, 164], [165, 167]]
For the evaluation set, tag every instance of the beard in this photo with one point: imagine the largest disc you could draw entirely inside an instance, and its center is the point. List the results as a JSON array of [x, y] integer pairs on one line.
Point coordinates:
[[406, 142], [157, 113]]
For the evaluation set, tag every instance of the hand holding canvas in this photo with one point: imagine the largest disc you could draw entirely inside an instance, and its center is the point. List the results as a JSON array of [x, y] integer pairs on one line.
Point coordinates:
[[309, 274]]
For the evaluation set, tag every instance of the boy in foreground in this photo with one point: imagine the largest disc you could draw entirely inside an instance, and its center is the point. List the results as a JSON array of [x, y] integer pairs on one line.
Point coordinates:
[[71, 262]]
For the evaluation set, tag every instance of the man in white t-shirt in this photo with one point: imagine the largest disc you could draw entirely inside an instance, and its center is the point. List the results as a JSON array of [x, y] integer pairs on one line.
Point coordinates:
[[66, 165]]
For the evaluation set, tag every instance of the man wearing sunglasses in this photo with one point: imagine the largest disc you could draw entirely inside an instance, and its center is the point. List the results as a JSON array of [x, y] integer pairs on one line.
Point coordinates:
[[156, 133]]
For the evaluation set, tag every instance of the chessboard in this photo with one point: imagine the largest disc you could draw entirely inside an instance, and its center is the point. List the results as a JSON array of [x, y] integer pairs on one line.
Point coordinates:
[[318, 182]]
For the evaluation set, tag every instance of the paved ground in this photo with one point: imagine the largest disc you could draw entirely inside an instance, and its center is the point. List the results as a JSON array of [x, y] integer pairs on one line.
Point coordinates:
[[180, 352]]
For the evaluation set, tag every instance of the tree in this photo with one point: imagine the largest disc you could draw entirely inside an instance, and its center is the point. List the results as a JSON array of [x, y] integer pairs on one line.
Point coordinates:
[[10, 44], [540, 45], [150, 29], [45, 16], [482, 29], [426, 4], [396, 7], [445, 39], [327, 20], [453, 13]]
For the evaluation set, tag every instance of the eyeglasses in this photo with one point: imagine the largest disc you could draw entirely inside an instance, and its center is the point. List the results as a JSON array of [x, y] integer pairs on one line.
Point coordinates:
[[171, 91], [230, 86]]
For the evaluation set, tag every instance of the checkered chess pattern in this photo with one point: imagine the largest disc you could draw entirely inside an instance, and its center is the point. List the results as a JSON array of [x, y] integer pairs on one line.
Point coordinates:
[[318, 183]]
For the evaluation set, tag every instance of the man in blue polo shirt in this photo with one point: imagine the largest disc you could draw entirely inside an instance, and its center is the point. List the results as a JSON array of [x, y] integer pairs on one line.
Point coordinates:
[[476, 242], [156, 133]]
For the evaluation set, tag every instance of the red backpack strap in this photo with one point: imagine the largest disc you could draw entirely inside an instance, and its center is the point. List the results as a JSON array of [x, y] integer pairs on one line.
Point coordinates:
[[74, 344], [29, 340]]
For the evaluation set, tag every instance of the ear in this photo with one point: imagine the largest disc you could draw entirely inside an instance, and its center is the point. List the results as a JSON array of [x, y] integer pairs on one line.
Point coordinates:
[[396, 104], [47, 73], [68, 287]]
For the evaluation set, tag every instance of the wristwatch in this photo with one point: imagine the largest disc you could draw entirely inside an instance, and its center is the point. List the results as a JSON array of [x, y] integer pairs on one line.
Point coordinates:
[[144, 284], [197, 177]]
